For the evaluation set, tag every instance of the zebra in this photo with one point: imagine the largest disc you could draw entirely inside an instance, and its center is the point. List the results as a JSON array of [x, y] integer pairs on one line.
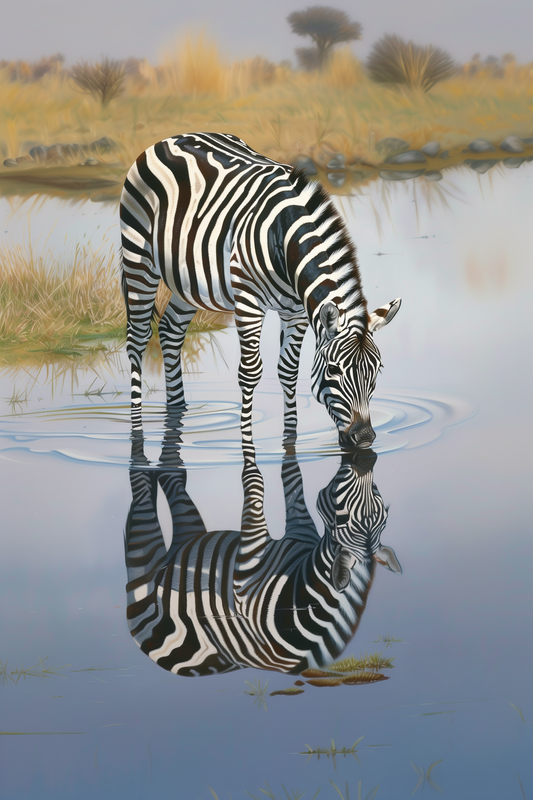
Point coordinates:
[[229, 229], [218, 601]]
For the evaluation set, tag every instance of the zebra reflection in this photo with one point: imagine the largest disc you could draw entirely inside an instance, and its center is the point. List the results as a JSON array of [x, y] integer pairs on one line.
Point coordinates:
[[217, 601]]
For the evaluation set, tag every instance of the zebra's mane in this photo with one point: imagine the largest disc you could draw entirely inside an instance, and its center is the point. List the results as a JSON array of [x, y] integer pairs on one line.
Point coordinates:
[[341, 251]]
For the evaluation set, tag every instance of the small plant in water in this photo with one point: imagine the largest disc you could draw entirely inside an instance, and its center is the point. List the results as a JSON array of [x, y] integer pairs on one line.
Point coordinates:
[[372, 661], [425, 776], [388, 641], [258, 692], [370, 796], [332, 751], [40, 670]]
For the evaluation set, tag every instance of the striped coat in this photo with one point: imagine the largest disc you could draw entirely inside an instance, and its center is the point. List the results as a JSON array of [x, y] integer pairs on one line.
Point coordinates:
[[228, 229]]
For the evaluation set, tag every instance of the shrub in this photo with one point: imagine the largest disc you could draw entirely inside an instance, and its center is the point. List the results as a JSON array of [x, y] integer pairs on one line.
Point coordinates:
[[103, 80], [394, 60]]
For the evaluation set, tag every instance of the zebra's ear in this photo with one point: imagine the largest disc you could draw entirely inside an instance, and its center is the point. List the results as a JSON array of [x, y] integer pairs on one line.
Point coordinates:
[[340, 570], [387, 558], [330, 319], [382, 316]]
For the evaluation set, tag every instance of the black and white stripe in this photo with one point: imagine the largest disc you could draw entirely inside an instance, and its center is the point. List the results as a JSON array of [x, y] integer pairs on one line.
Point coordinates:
[[222, 600], [229, 229]]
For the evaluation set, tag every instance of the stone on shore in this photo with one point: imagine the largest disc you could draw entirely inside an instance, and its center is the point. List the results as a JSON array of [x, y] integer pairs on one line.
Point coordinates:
[[513, 162], [10, 162], [336, 179], [431, 149], [305, 165], [407, 157], [512, 144], [337, 162], [479, 146]]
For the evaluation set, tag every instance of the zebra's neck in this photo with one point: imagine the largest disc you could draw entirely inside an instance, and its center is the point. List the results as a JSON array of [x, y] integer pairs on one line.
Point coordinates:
[[320, 257]]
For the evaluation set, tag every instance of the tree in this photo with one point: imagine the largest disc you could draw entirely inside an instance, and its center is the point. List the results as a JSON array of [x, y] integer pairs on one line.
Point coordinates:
[[327, 27]]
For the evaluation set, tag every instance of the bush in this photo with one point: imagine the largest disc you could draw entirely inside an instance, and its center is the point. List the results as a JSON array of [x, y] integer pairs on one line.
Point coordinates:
[[394, 60], [103, 80]]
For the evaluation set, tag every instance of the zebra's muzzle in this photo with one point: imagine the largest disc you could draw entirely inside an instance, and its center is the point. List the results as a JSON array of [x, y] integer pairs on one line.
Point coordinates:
[[360, 434]]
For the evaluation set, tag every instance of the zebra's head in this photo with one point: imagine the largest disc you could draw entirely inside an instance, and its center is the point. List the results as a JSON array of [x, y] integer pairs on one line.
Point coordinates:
[[345, 369], [355, 516]]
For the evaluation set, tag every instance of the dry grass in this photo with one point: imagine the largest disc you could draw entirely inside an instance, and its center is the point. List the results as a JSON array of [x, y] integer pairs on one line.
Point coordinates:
[[277, 111], [50, 302]]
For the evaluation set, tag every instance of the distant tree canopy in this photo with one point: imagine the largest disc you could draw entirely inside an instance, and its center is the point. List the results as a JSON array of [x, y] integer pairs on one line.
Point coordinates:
[[327, 27]]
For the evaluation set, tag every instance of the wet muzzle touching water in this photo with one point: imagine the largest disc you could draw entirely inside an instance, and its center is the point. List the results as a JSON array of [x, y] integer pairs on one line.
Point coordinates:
[[359, 434]]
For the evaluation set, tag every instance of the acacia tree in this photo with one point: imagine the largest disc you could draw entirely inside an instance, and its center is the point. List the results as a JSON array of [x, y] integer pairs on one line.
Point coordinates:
[[327, 27]]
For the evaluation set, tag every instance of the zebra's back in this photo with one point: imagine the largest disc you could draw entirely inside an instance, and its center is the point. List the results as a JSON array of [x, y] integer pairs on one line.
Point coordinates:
[[183, 203]]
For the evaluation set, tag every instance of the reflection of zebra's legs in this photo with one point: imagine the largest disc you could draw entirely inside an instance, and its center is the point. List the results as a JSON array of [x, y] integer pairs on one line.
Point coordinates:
[[292, 333], [172, 330], [248, 321], [298, 522]]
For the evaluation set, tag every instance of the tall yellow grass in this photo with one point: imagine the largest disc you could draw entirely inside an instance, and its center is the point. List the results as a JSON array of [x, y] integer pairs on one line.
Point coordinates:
[[277, 111]]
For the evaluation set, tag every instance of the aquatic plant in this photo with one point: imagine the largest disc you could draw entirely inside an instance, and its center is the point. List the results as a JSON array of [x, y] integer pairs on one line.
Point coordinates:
[[40, 670], [290, 691], [372, 661], [388, 641], [332, 751], [258, 692], [424, 776]]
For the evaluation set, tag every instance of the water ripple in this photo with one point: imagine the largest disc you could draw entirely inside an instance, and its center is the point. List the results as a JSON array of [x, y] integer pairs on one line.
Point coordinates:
[[100, 433]]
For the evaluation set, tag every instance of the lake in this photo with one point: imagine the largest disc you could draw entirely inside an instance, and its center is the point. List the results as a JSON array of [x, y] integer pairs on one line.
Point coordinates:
[[86, 713]]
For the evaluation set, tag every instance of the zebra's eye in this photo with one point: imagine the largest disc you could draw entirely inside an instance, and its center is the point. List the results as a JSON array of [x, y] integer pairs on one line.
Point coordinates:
[[334, 369]]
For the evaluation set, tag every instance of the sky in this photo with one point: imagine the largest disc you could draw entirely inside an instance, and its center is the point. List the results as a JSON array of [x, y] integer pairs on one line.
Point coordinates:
[[244, 28]]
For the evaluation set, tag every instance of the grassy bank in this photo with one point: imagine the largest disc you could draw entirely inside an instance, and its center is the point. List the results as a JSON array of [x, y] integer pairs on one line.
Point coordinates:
[[70, 308], [278, 111]]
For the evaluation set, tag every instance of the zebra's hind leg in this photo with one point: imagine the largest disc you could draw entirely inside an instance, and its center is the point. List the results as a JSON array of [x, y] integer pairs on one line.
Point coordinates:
[[140, 307], [293, 330], [172, 330], [248, 322]]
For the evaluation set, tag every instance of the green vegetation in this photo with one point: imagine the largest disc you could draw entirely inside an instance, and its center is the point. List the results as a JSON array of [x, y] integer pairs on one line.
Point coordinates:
[[424, 775], [332, 751], [40, 670], [372, 661], [290, 691]]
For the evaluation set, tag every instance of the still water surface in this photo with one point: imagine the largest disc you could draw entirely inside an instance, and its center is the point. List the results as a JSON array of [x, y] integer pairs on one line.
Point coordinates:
[[453, 416]]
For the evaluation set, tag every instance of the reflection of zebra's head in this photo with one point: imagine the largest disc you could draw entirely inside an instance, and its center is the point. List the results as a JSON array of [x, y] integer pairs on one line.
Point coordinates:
[[354, 514], [345, 369]]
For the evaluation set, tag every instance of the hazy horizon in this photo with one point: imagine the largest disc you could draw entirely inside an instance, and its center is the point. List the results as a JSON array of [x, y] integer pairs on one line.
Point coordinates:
[[243, 29]]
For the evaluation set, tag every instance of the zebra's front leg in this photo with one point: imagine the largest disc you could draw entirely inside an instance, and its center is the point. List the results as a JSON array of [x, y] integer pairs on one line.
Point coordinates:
[[293, 330], [172, 331], [248, 324]]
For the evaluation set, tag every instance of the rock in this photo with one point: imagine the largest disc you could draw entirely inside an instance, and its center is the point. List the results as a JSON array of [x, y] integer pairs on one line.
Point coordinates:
[[25, 159], [445, 154], [431, 149], [38, 153], [73, 151], [479, 146], [54, 153], [391, 145], [337, 162], [512, 144], [482, 165], [513, 163], [400, 175], [10, 162], [433, 175], [305, 165], [336, 179], [89, 162], [528, 140], [103, 145], [408, 157]]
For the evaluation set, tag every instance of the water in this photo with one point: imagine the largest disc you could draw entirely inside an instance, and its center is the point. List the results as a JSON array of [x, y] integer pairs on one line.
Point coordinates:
[[452, 412]]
